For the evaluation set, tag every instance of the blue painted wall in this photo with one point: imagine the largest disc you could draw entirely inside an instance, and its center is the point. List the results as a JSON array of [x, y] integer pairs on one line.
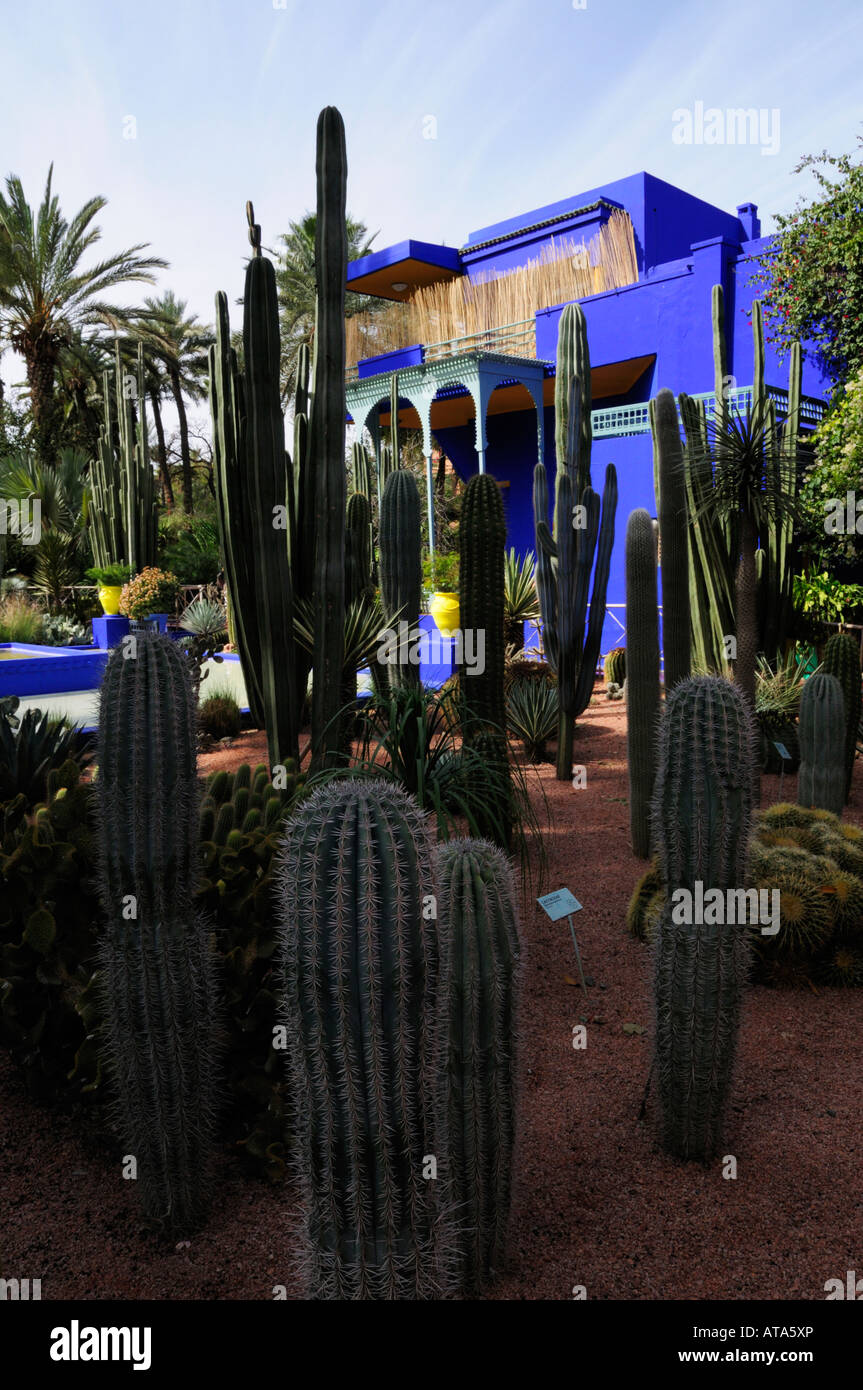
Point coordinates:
[[684, 247]]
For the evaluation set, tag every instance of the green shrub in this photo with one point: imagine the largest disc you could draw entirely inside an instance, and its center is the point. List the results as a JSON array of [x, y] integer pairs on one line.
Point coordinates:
[[219, 716], [20, 620], [531, 714]]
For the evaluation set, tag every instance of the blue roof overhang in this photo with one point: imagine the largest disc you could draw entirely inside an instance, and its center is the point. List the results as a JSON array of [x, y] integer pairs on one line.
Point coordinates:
[[408, 264]]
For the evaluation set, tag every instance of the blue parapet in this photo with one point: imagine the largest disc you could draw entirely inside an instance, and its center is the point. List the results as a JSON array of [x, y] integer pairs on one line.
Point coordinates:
[[35, 670], [390, 361]]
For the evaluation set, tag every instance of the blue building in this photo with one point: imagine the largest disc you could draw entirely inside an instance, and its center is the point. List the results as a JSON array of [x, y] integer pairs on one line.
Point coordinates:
[[488, 398]]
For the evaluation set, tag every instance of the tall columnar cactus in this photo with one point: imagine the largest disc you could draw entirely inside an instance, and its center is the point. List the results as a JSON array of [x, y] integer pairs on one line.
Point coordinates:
[[642, 675], [360, 954], [251, 495], [563, 571], [358, 560], [122, 514], [364, 483], [842, 660], [327, 438], [674, 542], [399, 541], [478, 1076], [822, 774], [566, 558], [482, 550], [702, 807], [158, 988], [573, 437]]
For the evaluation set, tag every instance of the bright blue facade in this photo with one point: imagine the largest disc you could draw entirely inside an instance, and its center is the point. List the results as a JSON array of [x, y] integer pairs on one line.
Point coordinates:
[[652, 334]]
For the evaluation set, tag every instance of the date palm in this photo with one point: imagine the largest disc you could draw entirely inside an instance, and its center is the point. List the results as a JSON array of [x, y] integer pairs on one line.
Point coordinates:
[[295, 281], [47, 294], [180, 342]]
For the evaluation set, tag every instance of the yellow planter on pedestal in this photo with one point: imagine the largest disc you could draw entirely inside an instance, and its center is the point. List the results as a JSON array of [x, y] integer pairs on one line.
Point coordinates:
[[444, 609], [109, 597]]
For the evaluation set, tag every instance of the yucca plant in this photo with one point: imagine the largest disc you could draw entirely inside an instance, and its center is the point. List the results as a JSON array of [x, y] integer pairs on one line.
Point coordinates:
[[414, 736], [207, 624], [531, 714], [520, 600]]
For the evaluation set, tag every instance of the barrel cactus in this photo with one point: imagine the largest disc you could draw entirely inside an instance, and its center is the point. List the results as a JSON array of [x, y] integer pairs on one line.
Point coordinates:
[[158, 989], [702, 809], [480, 987], [614, 666], [642, 626], [842, 660], [356, 888], [822, 774]]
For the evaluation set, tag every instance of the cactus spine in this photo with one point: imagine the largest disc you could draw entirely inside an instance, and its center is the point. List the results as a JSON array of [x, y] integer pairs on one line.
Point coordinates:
[[399, 540], [361, 972], [821, 777], [122, 517], [842, 660], [480, 987], [642, 675], [674, 533], [156, 970], [702, 807]]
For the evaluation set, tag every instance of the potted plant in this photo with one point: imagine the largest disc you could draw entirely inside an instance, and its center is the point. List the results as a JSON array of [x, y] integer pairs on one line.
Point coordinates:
[[440, 577], [150, 597], [110, 580]]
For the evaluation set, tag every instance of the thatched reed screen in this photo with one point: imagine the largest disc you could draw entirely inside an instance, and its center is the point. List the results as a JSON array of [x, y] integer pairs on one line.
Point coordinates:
[[449, 312]]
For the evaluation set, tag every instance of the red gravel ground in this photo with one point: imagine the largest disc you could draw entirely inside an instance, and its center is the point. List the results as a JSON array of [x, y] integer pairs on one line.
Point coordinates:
[[599, 1204]]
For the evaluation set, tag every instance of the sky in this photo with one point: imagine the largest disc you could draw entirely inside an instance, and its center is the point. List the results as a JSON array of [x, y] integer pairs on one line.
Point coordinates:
[[457, 114]]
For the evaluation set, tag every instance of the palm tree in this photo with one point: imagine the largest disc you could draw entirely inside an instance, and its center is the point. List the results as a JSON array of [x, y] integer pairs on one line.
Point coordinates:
[[180, 343], [47, 295], [295, 280]]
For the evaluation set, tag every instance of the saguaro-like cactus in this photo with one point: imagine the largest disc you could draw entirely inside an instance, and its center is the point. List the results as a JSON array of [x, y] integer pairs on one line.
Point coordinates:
[[251, 494], [566, 558], [399, 540], [157, 976], [122, 517], [702, 807], [842, 660], [642, 675], [478, 1076], [821, 778], [361, 961], [674, 532]]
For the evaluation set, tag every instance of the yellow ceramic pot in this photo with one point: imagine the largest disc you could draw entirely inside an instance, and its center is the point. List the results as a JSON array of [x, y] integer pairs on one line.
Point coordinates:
[[109, 597], [445, 611]]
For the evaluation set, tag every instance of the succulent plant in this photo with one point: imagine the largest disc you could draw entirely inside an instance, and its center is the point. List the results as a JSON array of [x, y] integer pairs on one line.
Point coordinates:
[[157, 982], [361, 963], [674, 542], [842, 660], [400, 562], [478, 1074], [702, 807], [642, 626], [822, 775], [614, 666], [565, 558]]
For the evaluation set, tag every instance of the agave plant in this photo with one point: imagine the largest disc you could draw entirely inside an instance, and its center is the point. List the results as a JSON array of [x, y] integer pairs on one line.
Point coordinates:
[[520, 600], [531, 714], [207, 624], [31, 746], [413, 736]]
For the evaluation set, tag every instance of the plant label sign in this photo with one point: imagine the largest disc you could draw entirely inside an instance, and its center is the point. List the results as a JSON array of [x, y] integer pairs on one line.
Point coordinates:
[[559, 904], [782, 750]]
